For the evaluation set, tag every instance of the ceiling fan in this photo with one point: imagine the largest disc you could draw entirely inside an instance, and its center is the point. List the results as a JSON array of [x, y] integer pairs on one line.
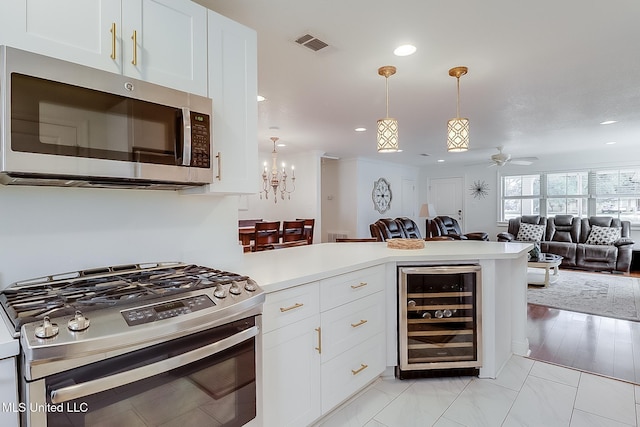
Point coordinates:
[[501, 159]]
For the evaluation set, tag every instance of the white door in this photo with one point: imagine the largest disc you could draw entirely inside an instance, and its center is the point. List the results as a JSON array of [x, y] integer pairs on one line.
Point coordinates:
[[408, 201], [446, 196]]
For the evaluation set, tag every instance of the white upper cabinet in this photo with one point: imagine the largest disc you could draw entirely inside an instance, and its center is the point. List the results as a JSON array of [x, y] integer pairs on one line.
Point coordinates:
[[169, 46], [165, 42], [233, 86]]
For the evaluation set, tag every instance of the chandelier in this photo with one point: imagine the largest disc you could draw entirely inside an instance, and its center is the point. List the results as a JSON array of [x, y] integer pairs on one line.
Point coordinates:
[[387, 127], [458, 128], [276, 180]]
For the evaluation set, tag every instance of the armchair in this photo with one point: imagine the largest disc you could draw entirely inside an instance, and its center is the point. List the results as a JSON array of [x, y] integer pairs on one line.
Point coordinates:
[[447, 226]]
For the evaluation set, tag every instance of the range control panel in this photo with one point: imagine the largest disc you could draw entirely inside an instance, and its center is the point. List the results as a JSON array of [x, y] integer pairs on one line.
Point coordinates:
[[166, 310]]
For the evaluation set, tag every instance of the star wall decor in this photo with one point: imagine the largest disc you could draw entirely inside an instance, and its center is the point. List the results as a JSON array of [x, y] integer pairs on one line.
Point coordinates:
[[479, 189]]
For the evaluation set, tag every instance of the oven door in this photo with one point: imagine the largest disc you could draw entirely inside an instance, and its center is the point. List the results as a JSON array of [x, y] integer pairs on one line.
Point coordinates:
[[208, 378]]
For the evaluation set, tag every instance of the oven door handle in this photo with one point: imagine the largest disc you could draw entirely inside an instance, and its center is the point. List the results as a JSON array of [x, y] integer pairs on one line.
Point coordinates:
[[101, 384]]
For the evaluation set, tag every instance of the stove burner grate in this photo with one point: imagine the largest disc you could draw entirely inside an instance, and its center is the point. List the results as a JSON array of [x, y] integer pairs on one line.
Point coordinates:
[[96, 289]]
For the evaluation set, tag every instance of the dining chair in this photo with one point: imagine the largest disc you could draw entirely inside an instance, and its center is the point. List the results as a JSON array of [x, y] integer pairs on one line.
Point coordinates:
[[309, 223], [293, 231], [266, 234]]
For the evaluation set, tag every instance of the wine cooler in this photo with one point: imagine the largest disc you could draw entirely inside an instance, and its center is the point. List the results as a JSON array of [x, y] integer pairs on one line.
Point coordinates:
[[439, 320]]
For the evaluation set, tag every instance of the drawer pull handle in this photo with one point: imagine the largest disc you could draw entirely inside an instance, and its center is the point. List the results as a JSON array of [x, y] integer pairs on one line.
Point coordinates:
[[319, 347], [359, 285], [219, 160], [360, 369], [294, 306], [360, 323]]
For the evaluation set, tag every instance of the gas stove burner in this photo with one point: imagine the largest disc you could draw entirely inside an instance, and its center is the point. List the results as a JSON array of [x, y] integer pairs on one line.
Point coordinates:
[[103, 288]]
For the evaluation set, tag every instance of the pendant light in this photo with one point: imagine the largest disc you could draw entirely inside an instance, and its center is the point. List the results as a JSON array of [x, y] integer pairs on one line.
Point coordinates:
[[458, 128], [387, 127]]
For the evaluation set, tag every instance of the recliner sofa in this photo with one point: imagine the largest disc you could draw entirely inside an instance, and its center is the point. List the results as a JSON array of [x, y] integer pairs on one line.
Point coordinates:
[[598, 243]]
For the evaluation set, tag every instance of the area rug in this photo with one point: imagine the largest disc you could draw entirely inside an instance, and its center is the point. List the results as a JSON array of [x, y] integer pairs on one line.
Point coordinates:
[[602, 294]]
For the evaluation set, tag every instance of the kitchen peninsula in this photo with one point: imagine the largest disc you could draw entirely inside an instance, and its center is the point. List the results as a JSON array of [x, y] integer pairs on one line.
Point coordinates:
[[312, 290]]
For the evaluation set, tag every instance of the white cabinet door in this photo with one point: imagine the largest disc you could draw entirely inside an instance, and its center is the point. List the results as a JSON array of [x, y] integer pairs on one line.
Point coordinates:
[[165, 42], [291, 386], [233, 84], [79, 31]]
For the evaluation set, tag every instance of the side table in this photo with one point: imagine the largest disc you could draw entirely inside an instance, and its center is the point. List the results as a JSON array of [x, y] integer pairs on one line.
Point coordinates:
[[545, 262]]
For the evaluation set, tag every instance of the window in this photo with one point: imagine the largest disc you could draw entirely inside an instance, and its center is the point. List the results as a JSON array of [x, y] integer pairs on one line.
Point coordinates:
[[617, 193], [580, 193], [567, 194], [520, 195]]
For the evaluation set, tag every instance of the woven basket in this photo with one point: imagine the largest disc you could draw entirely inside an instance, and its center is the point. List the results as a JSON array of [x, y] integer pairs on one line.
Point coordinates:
[[405, 243]]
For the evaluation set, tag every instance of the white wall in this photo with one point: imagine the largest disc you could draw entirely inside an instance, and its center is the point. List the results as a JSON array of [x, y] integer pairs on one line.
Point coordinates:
[[349, 183], [47, 230], [304, 202]]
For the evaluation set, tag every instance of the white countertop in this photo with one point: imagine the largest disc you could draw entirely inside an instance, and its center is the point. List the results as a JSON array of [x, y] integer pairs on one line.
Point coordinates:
[[282, 268]]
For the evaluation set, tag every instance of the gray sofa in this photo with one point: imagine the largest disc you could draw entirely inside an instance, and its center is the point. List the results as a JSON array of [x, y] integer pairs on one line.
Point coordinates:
[[584, 243]]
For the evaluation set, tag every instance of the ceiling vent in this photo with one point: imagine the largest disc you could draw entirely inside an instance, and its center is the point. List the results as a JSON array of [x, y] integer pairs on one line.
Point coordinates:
[[311, 42]]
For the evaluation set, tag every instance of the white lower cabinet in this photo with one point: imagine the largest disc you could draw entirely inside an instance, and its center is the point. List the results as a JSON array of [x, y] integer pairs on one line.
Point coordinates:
[[291, 378], [319, 350]]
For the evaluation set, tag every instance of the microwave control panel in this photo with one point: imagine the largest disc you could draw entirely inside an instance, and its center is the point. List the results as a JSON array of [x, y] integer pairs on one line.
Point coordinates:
[[200, 140]]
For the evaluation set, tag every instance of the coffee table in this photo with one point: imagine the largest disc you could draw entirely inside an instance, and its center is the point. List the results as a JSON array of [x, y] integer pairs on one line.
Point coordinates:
[[544, 262]]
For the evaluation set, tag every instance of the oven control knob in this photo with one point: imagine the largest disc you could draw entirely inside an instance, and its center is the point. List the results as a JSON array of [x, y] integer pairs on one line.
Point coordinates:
[[235, 289], [79, 322], [250, 286], [47, 329], [219, 292]]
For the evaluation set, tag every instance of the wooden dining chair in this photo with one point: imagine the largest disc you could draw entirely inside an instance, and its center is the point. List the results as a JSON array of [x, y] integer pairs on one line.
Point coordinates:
[[292, 231], [308, 228], [266, 234]]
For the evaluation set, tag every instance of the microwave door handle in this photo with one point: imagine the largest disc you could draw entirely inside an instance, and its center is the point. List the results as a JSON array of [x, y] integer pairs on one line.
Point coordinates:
[[77, 391], [185, 143]]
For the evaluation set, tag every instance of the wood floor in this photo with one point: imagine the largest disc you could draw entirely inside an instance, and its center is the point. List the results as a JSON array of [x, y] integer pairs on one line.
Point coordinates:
[[597, 344]]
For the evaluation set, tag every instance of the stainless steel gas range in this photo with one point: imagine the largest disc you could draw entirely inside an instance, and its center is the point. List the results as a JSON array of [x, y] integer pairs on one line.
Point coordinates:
[[153, 344]]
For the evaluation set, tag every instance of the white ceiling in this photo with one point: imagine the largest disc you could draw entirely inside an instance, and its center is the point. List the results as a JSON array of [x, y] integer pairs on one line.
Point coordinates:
[[542, 75]]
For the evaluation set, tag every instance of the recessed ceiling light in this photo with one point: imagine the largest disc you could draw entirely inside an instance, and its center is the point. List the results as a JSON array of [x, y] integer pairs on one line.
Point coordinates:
[[281, 144], [610, 142], [360, 129], [608, 122], [440, 160], [261, 98], [404, 50]]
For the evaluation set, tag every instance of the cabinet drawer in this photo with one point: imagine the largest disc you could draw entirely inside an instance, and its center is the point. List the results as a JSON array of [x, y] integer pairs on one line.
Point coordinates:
[[290, 305], [344, 375], [350, 324], [351, 286]]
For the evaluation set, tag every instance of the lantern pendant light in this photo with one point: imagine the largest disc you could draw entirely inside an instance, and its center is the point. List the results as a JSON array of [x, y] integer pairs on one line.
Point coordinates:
[[387, 127], [458, 128]]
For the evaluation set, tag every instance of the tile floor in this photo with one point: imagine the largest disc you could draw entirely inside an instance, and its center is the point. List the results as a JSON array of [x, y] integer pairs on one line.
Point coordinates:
[[526, 393]]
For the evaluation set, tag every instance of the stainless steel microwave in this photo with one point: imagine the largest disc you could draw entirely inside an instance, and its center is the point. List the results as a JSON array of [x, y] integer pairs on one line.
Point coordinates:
[[65, 124]]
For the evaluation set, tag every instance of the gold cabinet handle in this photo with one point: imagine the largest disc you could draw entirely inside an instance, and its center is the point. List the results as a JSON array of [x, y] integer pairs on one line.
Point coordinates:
[[360, 369], [361, 284], [219, 159], [113, 40], [319, 347], [294, 306], [134, 37], [360, 323]]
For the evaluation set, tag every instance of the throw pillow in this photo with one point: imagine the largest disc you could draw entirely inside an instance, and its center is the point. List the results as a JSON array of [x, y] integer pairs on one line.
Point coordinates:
[[603, 235], [530, 232]]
